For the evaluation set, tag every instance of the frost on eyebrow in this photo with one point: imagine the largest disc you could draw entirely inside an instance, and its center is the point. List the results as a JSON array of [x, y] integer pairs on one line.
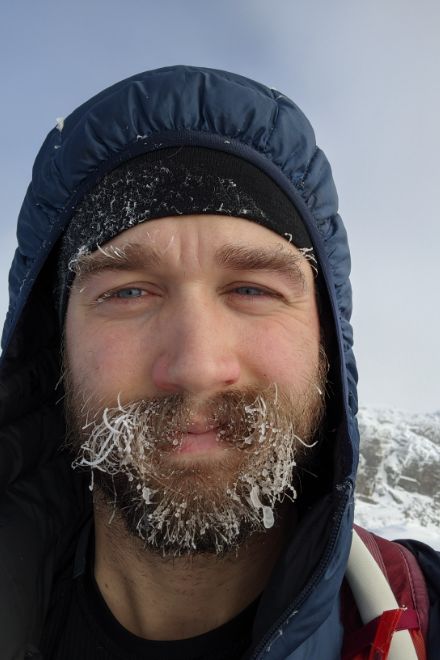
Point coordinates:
[[307, 252], [78, 259], [132, 256], [118, 257], [81, 263], [309, 255]]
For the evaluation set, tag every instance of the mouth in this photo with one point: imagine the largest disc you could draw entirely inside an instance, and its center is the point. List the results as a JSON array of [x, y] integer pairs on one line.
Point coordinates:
[[200, 438]]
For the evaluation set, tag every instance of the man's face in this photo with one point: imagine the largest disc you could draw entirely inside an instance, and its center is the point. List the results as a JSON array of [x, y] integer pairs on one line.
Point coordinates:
[[194, 376]]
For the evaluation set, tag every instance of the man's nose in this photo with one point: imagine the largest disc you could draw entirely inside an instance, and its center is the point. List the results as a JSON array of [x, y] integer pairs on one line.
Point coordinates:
[[197, 353]]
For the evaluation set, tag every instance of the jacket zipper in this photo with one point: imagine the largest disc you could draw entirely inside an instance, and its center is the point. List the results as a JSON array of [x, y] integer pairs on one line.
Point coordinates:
[[273, 633]]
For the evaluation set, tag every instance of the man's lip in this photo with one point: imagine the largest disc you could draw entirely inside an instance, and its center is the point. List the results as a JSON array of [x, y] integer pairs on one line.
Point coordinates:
[[199, 427], [200, 441]]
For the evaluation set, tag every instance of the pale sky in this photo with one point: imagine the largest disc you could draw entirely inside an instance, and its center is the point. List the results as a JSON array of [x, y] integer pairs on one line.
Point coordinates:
[[365, 73]]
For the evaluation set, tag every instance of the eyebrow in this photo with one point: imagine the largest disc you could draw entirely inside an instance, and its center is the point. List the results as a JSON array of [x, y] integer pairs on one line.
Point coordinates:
[[278, 260], [131, 256], [134, 256]]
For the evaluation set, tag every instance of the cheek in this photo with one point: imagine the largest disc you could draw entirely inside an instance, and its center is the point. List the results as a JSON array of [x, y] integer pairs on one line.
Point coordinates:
[[107, 362], [286, 354]]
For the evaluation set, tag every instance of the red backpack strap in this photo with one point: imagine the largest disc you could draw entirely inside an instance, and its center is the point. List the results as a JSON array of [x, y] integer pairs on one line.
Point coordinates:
[[407, 582]]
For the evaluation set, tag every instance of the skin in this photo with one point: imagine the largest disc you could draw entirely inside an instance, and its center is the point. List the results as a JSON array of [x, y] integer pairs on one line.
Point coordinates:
[[186, 323]]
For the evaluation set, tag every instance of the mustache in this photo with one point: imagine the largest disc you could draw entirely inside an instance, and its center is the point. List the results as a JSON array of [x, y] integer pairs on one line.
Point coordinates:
[[235, 413], [246, 418]]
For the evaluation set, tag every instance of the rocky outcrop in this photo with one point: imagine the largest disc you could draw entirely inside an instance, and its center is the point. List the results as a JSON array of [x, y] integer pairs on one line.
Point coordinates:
[[399, 470]]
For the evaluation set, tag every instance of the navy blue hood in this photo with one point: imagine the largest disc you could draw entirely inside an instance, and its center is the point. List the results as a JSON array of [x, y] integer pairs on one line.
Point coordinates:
[[170, 107]]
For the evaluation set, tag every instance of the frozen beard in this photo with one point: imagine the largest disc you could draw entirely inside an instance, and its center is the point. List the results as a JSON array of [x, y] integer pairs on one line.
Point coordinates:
[[191, 504]]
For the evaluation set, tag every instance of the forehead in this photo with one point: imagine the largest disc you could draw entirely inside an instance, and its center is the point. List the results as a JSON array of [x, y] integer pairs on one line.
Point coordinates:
[[204, 232]]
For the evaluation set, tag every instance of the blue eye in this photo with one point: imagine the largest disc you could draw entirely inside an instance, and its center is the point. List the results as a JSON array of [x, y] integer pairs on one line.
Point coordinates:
[[126, 294], [250, 291]]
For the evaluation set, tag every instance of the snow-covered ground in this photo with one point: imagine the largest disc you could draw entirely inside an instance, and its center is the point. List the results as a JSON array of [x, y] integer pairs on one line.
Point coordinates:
[[398, 488]]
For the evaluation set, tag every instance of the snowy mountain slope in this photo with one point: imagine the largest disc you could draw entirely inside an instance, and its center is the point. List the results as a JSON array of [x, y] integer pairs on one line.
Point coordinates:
[[398, 486]]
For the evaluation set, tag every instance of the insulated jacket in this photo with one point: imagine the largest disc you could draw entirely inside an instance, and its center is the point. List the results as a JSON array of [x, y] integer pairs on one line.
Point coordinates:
[[43, 504]]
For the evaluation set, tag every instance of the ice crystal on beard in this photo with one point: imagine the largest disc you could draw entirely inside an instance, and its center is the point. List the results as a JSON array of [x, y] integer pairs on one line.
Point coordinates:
[[177, 512]]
